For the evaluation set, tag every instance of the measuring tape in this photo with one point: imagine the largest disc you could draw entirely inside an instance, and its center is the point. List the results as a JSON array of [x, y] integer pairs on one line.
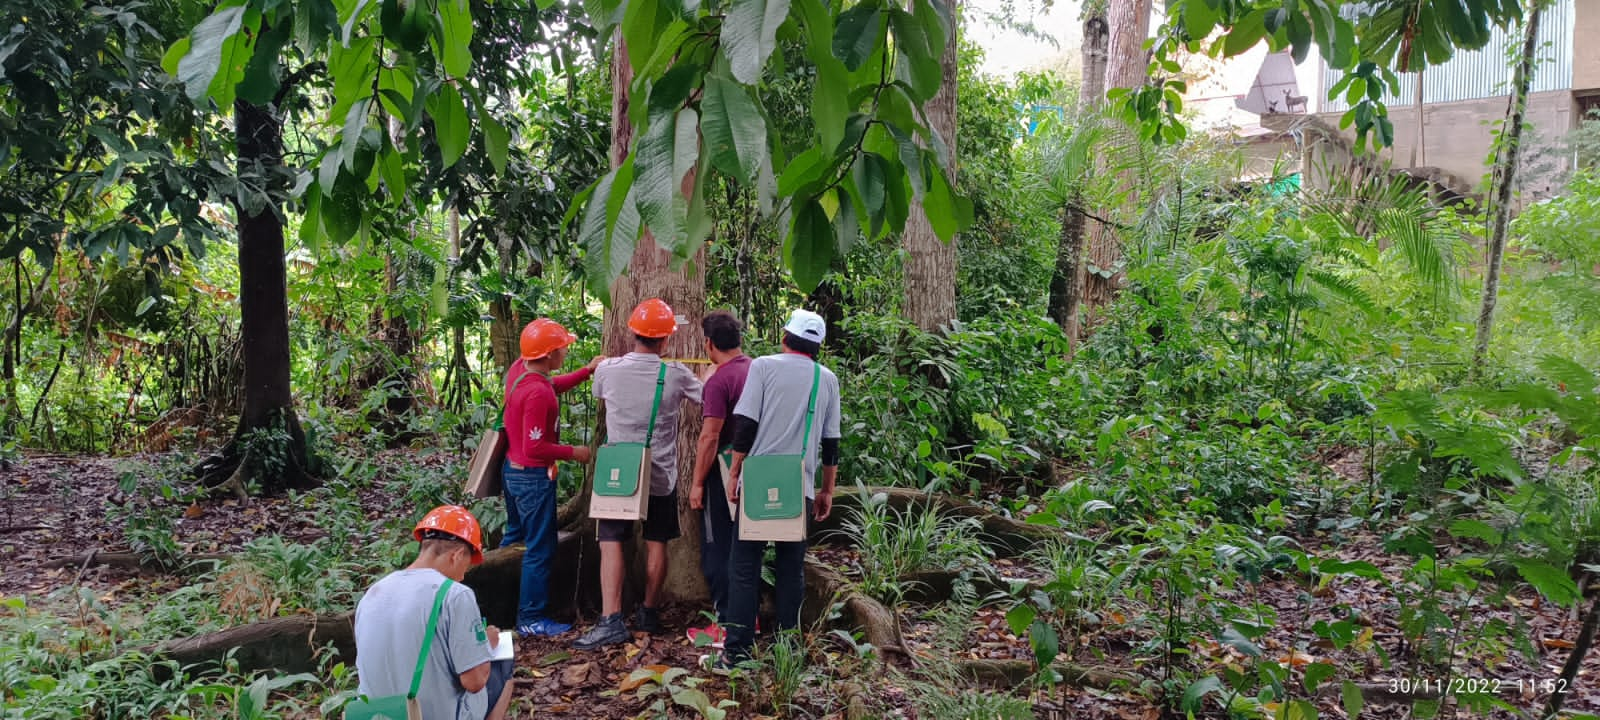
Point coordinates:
[[689, 361]]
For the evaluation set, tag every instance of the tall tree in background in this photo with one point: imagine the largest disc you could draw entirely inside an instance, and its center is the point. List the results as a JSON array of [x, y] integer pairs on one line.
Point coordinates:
[[651, 274], [930, 270], [1066, 282], [1128, 25], [1504, 181]]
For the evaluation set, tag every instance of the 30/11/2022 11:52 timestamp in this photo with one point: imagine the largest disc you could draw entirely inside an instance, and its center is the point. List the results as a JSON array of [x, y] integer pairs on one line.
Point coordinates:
[[1475, 686]]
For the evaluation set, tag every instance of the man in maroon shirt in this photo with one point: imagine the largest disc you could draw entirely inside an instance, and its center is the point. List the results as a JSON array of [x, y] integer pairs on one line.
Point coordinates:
[[723, 342], [531, 418]]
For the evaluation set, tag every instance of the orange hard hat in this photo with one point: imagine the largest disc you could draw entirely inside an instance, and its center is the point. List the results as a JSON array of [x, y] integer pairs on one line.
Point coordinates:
[[544, 336], [653, 318], [457, 521]]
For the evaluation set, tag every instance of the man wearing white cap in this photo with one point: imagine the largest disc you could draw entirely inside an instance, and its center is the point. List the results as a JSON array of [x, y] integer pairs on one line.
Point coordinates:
[[771, 418]]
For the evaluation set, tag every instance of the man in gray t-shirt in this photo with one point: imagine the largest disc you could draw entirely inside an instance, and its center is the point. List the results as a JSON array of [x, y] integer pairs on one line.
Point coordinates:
[[770, 419], [459, 679]]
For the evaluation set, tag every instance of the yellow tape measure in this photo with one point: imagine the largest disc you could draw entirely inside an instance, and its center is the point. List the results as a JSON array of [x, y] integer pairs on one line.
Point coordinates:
[[689, 361]]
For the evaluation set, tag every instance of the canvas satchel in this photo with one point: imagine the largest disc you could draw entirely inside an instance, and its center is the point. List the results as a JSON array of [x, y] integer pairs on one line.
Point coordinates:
[[484, 472], [773, 487], [402, 707], [620, 468]]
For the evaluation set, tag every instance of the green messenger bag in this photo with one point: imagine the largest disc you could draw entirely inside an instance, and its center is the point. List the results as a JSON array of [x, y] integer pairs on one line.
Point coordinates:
[[618, 467], [402, 707], [773, 487]]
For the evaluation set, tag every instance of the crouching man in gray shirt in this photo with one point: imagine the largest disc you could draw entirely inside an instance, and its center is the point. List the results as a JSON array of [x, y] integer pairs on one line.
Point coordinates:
[[459, 679], [770, 419]]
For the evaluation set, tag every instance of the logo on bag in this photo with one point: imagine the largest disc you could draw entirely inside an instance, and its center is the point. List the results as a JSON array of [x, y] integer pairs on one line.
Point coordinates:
[[772, 495], [616, 477]]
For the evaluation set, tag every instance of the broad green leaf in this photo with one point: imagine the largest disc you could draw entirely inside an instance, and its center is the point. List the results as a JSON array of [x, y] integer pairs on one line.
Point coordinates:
[[671, 91], [1198, 18], [830, 101], [1475, 529], [803, 170], [311, 220], [859, 32], [453, 44], [1350, 695], [609, 230], [406, 23], [1245, 33], [735, 132], [342, 213], [392, 164], [1197, 691], [1046, 646], [846, 227], [749, 35], [1231, 637], [452, 128], [259, 84], [396, 89], [667, 45], [871, 180], [935, 18], [666, 155], [642, 25], [355, 122], [1316, 673], [948, 213], [1552, 582], [175, 55], [496, 141], [353, 69], [917, 60], [809, 248], [214, 51], [1020, 617]]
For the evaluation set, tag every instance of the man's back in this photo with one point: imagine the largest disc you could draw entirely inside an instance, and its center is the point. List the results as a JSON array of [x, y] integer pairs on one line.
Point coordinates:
[[389, 624], [776, 394], [627, 385]]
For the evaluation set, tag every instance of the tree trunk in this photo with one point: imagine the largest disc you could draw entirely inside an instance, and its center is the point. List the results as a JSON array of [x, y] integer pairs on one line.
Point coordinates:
[[930, 271], [276, 461], [1503, 182], [1128, 24], [650, 275], [1066, 283]]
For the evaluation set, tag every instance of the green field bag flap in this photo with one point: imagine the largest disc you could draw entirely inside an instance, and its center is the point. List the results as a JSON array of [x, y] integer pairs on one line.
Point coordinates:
[[773, 487], [618, 467], [402, 707]]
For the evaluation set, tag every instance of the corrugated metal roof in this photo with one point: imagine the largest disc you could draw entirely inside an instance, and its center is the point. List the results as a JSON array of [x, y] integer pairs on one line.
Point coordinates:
[[1485, 72]]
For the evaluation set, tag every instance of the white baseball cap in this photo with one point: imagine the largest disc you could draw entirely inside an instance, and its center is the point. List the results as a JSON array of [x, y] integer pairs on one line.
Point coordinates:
[[807, 325]]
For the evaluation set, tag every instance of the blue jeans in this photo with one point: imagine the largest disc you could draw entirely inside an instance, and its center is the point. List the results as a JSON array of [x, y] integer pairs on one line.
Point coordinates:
[[531, 520]]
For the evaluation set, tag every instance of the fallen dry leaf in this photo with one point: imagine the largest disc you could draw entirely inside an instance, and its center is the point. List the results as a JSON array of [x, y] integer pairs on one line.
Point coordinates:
[[1557, 644], [576, 674], [1297, 659]]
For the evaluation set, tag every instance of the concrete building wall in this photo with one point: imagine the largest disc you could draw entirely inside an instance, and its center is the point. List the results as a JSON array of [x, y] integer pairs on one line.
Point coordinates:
[[1586, 52], [1457, 137]]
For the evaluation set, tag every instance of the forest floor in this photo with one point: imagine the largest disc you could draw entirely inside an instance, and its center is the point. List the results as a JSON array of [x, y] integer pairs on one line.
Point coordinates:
[[55, 508]]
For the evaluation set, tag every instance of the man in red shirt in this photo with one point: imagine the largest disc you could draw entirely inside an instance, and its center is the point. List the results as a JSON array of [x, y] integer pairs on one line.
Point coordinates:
[[531, 417]]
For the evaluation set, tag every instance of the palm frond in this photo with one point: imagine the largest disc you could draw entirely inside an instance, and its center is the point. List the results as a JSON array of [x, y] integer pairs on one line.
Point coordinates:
[[1343, 288]]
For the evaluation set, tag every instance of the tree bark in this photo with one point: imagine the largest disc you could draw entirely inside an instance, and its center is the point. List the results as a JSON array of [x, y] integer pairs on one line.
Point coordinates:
[[930, 270], [650, 275], [1066, 282], [1503, 182], [1128, 25], [263, 325]]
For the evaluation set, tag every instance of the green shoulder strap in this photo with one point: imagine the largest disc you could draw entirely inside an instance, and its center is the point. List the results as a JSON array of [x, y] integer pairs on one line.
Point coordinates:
[[655, 405], [427, 639], [811, 410]]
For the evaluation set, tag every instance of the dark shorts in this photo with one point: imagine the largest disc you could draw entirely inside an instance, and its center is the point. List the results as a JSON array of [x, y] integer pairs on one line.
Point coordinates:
[[660, 526], [499, 674]]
